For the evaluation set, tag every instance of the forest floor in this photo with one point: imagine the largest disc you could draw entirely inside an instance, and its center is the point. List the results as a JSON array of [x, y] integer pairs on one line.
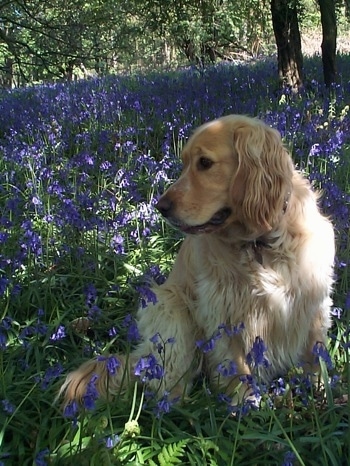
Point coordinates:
[[311, 43]]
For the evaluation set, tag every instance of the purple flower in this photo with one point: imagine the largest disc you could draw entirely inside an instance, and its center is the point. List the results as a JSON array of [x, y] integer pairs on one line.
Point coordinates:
[[90, 295], [117, 244], [59, 334], [231, 330], [112, 441], [112, 363], [6, 323], [227, 368], [3, 340], [3, 285], [31, 241], [256, 356], [278, 387], [133, 331], [147, 295], [222, 397], [106, 165], [255, 389], [154, 273], [337, 312], [94, 312], [335, 379], [320, 351], [8, 407], [148, 368], [160, 343], [51, 374], [91, 394], [208, 345], [347, 301], [164, 405], [112, 332], [71, 410], [302, 386], [40, 457], [289, 459]]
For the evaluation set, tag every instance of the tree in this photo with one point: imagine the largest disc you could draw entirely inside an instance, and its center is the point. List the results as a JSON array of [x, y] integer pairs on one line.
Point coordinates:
[[287, 34], [44, 40], [329, 40]]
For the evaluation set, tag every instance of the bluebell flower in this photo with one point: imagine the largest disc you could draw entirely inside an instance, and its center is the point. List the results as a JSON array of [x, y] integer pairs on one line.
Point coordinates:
[[112, 332], [3, 340], [164, 405], [59, 334], [347, 301], [71, 410], [94, 312], [227, 368], [223, 397], [112, 441], [337, 312], [105, 165], [90, 294], [154, 273], [208, 345], [255, 389], [91, 394], [320, 351], [3, 285], [147, 295], [36, 201], [231, 330], [40, 457], [40, 328], [117, 244], [239, 410], [8, 407], [51, 373], [335, 379], [256, 357], [302, 386], [157, 341], [148, 368], [112, 363], [289, 459], [278, 387], [160, 343], [31, 241], [133, 334]]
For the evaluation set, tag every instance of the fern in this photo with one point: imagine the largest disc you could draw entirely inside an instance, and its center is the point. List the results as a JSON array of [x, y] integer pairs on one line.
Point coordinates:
[[170, 454]]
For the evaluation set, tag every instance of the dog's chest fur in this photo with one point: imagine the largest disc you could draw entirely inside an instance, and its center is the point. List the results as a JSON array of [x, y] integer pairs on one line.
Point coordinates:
[[260, 289]]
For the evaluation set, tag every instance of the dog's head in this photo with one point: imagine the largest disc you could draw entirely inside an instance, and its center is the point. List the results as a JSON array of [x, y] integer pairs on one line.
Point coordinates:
[[236, 171]]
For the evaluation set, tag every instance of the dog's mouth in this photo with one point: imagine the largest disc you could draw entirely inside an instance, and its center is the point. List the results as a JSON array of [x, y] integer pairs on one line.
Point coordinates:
[[216, 221]]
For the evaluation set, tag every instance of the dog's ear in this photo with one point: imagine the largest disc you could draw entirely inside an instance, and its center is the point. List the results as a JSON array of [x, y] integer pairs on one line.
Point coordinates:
[[262, 184]]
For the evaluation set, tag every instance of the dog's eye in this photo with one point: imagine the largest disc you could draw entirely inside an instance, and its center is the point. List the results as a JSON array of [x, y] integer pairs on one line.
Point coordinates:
[[204, 163]]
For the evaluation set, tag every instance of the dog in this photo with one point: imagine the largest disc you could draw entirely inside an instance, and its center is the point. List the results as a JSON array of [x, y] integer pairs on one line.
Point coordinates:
[[256, 265]]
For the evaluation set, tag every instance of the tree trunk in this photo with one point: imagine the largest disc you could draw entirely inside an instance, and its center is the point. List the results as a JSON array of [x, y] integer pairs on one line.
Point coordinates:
[[329, 40], [286, 29], [8, 73]]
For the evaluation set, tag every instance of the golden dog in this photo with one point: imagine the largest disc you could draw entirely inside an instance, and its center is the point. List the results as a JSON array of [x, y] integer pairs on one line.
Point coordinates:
[[257, 262]]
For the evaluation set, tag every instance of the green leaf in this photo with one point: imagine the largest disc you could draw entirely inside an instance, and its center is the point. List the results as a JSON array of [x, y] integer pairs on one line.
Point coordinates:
[[172, 453]]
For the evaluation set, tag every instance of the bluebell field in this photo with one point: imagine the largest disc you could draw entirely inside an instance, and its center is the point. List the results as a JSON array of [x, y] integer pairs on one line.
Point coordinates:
[[82, 166]]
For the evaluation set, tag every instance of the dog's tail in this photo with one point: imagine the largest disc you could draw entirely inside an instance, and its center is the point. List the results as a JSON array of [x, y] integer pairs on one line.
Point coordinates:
[[102, 376]]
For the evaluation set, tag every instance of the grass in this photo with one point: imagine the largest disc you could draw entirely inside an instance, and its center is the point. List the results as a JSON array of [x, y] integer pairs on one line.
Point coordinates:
[[81, 167]]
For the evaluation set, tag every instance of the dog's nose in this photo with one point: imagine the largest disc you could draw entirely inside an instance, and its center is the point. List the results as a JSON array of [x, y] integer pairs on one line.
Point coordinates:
[[164, 205]]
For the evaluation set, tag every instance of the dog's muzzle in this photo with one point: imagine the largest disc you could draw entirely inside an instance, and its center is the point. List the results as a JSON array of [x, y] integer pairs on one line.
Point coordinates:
[[165, 207]]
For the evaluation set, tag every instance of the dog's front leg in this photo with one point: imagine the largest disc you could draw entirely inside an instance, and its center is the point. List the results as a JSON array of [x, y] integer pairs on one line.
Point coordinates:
[[164, 359], [229, 368], [170, 334]]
